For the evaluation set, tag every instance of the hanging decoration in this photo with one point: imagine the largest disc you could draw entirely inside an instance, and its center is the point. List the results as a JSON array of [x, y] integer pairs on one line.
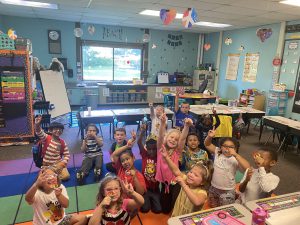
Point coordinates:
[[206, 46], [189, 18], [12, 34], [146, 38], [228, 41], [113, 33], [78, 32], [167, 15], [174, 40], [91, 29], [241, 48], [154, 46], [264, 33]]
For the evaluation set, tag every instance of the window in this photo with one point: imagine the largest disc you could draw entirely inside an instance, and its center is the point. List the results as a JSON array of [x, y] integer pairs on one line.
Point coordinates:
[[113, 62]]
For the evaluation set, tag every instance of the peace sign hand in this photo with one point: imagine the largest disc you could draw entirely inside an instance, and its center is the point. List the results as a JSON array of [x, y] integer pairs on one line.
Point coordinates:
[[127, 187], [212, 133]]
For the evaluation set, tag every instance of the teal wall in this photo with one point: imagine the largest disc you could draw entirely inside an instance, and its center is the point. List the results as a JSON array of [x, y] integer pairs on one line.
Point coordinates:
[[210, 56], [1, 24], [164, 57], [246, 37]]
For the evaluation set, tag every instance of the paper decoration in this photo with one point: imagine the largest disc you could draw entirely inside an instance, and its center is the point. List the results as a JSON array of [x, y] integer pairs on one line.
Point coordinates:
[[167, 15], [250, 67], [146, 38], [78, 32], [232, 66], [228, 41], [241, 48], [174, 40], [12, 34], [206, 46], [189, 18], [91, 29], [113, 33], [264, 33], [154, 46]]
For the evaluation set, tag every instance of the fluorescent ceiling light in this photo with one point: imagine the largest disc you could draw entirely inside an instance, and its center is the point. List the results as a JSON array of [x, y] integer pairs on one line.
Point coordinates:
[[149, 12], [291, 2], [30, 4], [210, 24]]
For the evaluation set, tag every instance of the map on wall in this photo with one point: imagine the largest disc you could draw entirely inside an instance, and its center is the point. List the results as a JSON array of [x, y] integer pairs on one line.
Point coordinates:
[[232, 66], [250, 67]]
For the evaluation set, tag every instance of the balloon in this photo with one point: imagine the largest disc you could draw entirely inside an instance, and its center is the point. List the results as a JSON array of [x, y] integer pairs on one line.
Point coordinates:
[[78, 32], [12, 34], [91, 29], [206, 46], [264, 33], [189, 18], [167, 15]]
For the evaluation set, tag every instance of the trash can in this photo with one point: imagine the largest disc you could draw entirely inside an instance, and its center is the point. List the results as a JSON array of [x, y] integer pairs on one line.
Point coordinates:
[[92, 100]]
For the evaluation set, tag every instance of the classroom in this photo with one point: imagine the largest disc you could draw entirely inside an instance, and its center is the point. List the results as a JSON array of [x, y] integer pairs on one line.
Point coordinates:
[[149, 112]]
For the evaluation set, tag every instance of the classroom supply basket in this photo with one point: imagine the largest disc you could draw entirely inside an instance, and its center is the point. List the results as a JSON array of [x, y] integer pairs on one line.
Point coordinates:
[[6, 42]]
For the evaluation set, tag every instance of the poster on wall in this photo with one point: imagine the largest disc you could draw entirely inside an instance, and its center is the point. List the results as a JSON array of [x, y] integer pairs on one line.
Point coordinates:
[[232, 66], [296, 105], [250, 67]]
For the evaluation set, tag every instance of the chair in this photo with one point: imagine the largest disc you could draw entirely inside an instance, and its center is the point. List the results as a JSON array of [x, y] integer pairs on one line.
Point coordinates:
[[41, 107]]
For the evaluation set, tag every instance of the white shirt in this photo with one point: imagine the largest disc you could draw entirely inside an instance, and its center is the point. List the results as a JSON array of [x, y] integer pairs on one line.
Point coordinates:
[[47, 209], [260, 185], [224, 171]]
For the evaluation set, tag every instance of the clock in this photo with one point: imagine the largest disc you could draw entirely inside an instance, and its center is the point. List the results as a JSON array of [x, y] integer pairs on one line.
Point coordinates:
[[54, 35], [54, 41]]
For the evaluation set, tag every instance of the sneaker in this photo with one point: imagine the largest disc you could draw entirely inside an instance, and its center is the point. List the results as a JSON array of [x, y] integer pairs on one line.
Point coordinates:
[[97, 174], [79, 177]]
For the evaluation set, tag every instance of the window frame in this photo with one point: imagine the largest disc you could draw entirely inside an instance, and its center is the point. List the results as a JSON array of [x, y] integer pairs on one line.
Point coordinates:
[[113, 45]]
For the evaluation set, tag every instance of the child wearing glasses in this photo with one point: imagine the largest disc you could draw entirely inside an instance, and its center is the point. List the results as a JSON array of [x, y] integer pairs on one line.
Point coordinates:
[[53, 156], [112, 207], [226, 162]]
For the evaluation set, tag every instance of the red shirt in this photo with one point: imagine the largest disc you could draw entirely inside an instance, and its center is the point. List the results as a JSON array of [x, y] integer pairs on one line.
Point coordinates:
[[149, 170], [122, 175]]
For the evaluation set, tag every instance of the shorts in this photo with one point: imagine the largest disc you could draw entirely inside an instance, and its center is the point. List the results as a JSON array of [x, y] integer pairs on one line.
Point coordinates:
[[218, 197], [66, 220]]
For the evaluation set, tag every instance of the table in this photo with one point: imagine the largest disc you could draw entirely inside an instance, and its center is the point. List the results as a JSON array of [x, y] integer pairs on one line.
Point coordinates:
[[283, 209], [284, 125], [236, 210], [192, 96], [133, 115], [96, 117]]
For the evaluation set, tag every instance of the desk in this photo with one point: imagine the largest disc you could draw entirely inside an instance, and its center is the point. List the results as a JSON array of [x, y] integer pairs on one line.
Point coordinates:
[[283, 209], [133, 115], [96, 117], [191, 96], [236, 210], [284, 125]]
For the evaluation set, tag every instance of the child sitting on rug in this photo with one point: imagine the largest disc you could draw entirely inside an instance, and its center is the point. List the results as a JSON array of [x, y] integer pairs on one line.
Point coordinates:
[[155, 114], [194, 184], [123, 161], [149, 159], [226, 162], [112, 207], [91, 146], [120, 141], [260, 182], [53, 156], [49, 199], [173, 143]]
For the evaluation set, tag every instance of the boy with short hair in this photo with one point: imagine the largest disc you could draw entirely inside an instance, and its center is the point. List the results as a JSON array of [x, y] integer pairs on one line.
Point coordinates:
[[53, 156], [181, 113], [260, 182], [120, 141]]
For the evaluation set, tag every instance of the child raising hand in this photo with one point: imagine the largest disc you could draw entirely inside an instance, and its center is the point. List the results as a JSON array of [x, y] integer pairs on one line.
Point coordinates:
[[226, 162], [192, 194]]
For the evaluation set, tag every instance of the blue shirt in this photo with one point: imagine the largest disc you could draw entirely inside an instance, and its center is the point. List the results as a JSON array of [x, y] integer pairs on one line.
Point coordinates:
[[180, 118]]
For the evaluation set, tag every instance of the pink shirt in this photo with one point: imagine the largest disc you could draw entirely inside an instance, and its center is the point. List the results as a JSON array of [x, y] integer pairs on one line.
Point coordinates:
[[163, 172]]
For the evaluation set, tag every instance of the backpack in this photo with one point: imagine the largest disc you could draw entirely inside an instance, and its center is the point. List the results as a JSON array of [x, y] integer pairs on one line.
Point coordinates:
[[39, 150]]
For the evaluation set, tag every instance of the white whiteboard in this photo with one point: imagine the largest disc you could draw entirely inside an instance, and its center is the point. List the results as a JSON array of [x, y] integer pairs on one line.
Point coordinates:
[[55, 92]]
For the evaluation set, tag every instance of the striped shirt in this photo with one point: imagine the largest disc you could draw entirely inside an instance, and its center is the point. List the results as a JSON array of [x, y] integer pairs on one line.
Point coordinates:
[[52, 154], [93, 149]]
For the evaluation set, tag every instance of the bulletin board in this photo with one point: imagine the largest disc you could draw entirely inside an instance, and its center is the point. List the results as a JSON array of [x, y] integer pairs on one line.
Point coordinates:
[[55, 92], [16, 118]]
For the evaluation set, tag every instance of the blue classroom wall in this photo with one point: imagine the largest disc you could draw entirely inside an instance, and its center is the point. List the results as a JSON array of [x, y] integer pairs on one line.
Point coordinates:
[[210, 56], [246, 37], [164, 57]]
